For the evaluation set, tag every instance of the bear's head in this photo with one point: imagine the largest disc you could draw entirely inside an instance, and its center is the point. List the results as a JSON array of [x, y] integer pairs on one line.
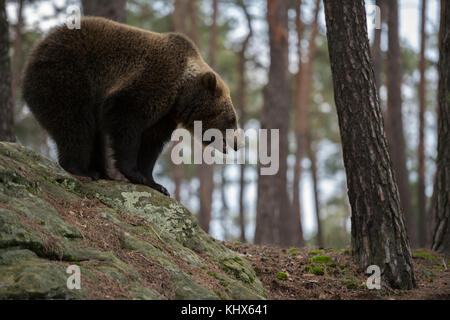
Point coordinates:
[[206, 98]]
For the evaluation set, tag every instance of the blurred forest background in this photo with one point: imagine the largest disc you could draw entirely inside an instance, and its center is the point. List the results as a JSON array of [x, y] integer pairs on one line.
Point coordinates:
[[232, 202]]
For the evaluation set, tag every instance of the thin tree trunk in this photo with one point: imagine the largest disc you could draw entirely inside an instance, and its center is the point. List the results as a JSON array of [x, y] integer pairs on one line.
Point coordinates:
[[6, 101], [273, 206], [302, 103], [178, 16], [178, 25], [242, 103], [312, 158], [378, 228], [421, 148], [296, 205], [193, 21], [397, 144], [114, 10], [225, 209], [17, 46], [205, 171], [441, 237]]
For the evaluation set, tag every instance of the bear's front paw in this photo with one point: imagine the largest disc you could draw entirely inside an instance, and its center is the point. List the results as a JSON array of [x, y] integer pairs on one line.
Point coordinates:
[[159, 188]]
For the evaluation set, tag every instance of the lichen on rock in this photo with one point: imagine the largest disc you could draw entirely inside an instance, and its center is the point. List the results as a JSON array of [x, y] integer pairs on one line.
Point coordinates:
[[129, 241]]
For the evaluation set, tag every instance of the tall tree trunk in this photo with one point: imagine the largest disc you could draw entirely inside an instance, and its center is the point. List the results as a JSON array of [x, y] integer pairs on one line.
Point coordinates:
[[302, 103], [312, 158], [225, 210], [421, 148], [178, 25], [114, 10], [193, 22], [242, 103], [17, 46], [179, 15], [378, 228], [205, 171], [394, 119], [296, 205], [6, 102], [273, 205], [441, 237]]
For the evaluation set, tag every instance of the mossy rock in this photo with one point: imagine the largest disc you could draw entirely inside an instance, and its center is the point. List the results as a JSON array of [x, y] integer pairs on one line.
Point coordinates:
[[50, 219]]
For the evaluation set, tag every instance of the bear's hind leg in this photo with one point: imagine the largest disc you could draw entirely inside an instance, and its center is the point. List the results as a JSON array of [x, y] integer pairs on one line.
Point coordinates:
[[98, 161]]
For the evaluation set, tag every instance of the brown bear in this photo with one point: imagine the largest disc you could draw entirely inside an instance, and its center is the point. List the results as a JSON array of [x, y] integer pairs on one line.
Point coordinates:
[[132, 86]]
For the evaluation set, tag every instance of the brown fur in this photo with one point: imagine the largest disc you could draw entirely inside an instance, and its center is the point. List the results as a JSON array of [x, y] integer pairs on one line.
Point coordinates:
[[131, 85]]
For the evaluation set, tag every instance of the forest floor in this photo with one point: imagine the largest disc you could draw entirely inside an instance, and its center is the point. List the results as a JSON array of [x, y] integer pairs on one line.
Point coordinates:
[[331, 274]]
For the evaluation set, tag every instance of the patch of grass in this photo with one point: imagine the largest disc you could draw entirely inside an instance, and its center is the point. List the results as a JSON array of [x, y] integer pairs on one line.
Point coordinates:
[[318, 271], [282, 275], [321, 259], [350, 284], [424, 255], [331, 265], [314, 252]]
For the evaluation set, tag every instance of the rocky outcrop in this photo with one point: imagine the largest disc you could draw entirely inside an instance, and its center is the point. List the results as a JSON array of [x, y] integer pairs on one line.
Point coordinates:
[[129, 241]]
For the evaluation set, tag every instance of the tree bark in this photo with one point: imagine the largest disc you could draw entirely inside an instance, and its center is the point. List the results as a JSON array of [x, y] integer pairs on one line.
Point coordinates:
[[302, 103], [205, 171], [296, 205], [273, 204], [441, 237], [178, 16], [6, 101], [394, 119], [422, 221], [242, 103], [17, 49], [114, 10], [312, 158], [178, 25], [378, 228]]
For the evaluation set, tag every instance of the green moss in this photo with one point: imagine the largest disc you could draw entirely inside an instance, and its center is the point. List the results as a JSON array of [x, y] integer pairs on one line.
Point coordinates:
[[424, 255], [342, 266], [351, 284], [282, 275], [307, 269], [318, 271], [331, 265], [314, 252], [320, 259], [439, 267], [220, 295]]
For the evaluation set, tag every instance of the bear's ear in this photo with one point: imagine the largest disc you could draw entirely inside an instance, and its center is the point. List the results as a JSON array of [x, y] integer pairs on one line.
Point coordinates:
[[209, 81]]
